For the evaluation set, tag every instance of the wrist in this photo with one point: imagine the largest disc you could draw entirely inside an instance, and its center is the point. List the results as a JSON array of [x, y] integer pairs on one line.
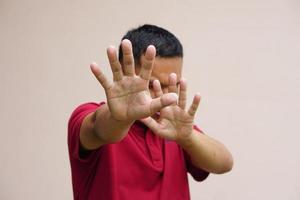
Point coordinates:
[[120, 123], [117, 122], [187, 141], [107, 128]]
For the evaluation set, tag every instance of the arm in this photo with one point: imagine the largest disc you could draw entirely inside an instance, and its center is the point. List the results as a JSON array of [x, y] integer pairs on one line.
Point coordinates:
[[99, 128], [207, 153], [176, 123], [128, 99]]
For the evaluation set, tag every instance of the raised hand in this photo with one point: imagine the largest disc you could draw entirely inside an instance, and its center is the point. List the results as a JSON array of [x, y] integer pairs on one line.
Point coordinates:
[[128, 96], [174, 122]]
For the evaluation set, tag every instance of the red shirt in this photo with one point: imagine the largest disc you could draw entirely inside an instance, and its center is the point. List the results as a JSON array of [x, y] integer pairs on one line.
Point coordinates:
[[142, 166]]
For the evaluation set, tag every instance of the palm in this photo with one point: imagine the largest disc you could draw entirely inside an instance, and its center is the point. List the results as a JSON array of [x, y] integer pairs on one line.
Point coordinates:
[[129, 99], [175, 123]]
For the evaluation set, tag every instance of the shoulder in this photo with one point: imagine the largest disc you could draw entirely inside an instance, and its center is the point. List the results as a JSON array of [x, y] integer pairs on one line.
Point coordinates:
[[82, 110], [75, 122], [78, 115], [85, 107]]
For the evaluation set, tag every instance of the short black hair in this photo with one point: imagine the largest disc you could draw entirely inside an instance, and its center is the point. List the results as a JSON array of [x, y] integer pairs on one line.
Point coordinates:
[[166, 44]]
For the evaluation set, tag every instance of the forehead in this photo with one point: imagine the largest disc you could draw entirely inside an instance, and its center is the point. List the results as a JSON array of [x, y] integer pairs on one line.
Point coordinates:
[[163, 67]]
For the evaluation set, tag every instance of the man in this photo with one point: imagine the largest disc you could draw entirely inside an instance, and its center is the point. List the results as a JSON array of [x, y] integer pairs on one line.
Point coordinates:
[[141, 143]]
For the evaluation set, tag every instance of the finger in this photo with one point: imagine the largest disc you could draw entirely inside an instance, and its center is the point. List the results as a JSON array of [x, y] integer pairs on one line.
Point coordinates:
[[147, 65], [172, 83], [128, 60], [193, 108], [157, 88], [100, 76], [182, 93], [151, 123], [165, 100], [114, 63]]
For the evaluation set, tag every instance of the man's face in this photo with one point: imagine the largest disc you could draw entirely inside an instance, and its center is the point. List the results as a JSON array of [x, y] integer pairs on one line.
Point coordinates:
[[162, 68]]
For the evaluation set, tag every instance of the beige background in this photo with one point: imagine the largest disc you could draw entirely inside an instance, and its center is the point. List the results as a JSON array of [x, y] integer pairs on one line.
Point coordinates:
[[242, 56]]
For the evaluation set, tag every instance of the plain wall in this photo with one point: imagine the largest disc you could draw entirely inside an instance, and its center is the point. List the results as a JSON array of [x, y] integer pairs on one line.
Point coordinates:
[[243, 57]]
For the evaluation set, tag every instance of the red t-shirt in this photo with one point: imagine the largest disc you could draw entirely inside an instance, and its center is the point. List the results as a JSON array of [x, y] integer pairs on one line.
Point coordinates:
[[141, 166]]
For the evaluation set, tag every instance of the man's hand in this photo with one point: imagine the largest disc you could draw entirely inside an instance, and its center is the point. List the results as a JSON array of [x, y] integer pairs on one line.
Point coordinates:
[[174, 122], [128, 96]]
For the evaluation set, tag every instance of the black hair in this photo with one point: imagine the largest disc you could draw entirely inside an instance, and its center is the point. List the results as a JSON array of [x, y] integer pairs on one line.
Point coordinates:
[[166, 44]]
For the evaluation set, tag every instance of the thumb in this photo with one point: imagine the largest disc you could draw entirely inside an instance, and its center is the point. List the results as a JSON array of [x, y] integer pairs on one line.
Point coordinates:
[[151, 123], [165, 100]]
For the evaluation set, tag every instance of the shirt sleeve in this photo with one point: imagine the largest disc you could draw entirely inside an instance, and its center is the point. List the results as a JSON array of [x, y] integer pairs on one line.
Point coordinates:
[[74, 126], [197, 173]]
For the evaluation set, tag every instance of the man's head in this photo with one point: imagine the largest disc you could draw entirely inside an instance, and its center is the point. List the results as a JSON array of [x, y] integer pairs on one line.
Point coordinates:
[[169, 52], [166, 44]]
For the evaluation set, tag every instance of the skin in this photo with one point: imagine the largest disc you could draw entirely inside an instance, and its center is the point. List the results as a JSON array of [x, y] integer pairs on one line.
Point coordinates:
[[139, 93]]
